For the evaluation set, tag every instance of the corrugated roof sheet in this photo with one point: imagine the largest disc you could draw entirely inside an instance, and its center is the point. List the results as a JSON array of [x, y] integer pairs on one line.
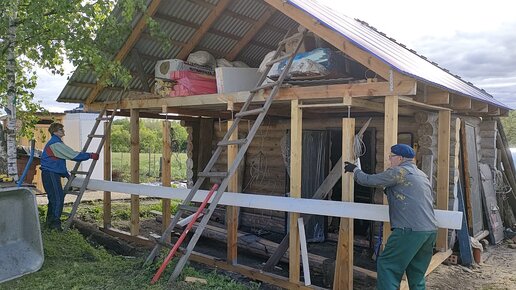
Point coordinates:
[[391, 52]]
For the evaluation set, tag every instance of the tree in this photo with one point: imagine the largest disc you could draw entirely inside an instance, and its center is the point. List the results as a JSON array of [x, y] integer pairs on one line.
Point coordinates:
[[43, 33], [509, 127]]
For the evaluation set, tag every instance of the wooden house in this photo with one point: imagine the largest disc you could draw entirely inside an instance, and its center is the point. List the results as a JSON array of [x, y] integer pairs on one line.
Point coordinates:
[[310, 124]]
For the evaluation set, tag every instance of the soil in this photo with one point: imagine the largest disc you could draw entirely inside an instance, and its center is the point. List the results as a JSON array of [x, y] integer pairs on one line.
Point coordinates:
[[497, 270]]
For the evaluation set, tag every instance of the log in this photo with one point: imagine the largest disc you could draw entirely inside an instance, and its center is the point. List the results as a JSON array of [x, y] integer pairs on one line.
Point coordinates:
[[426, 129], [427, 141], [425, 117], [107, 241]]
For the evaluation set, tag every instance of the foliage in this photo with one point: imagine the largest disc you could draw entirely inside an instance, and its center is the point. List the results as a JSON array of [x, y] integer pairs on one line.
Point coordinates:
[[149, 166], [509, 127], [50, 31], [151, 136], [72, 263]]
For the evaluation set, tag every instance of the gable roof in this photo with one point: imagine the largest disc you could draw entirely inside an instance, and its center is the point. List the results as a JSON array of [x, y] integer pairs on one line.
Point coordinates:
[[182, 20], [395, 55]]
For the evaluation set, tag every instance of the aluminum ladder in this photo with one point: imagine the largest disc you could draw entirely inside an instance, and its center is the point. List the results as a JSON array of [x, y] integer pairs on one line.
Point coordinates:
[[79, 191], [244, 143]]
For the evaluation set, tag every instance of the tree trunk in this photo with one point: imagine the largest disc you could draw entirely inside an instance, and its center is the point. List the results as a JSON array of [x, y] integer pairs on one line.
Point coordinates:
[[12, 170]]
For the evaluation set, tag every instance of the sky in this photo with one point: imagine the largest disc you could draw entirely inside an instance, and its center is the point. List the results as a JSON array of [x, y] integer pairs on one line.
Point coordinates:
[[473, 39]]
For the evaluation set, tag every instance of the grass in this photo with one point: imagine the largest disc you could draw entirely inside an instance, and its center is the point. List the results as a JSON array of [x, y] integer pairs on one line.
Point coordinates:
[[72, 263], [149, 166]]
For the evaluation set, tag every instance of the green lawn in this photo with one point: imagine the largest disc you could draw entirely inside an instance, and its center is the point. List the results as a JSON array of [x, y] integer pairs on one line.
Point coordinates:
[[73, 263], [149, 166]]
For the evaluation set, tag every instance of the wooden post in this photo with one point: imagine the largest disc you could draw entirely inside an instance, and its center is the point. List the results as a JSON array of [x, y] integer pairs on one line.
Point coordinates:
[[296, 141], [443, 172], [343, 278], [135, 170], [166, 174], [205, 147], [232, 211], [107, 176], [390, 138]]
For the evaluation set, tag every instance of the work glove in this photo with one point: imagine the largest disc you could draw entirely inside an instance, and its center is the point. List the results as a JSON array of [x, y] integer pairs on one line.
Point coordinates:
[[349, 167], [94, 156]]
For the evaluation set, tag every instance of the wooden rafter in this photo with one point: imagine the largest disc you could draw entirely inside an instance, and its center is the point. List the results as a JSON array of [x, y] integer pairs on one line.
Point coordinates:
[[460, 102], [251, 33], [337, 40], [128, 45], [199, 34]]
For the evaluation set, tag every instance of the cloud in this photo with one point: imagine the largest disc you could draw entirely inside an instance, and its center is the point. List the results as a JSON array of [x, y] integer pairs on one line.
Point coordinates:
[[487, 59], [48, 89]]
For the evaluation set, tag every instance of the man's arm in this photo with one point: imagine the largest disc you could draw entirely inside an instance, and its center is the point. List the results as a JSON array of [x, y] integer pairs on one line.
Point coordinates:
[[387, 178], [62, 151]]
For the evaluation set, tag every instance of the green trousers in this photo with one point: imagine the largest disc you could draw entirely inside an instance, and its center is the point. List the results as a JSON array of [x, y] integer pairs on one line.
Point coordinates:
[[405, 251]]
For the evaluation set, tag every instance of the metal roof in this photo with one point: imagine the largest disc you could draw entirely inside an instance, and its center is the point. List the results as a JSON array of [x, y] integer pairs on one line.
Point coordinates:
[[392, 53], [233, 24]]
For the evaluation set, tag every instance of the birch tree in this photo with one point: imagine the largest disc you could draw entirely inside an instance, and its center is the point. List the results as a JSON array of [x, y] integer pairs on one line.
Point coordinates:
[[44, 33]]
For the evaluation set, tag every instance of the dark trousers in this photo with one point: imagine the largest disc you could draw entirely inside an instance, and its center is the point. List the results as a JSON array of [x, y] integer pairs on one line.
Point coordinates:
[[408, 252], [55, 195]]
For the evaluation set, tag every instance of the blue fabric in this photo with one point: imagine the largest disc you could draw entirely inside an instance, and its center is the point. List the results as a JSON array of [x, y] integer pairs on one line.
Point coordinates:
[[403, 150], [55, 195], [51, 162]]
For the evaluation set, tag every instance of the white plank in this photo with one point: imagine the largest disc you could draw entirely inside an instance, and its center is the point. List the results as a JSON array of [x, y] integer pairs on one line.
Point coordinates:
[[375, 212], [304, 251]]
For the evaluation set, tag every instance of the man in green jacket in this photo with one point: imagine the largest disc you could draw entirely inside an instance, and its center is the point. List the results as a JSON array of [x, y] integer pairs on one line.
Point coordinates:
[[414, 227]]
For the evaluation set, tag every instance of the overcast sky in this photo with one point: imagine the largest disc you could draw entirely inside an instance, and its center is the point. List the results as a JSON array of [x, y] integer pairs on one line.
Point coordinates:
[[473, 39]]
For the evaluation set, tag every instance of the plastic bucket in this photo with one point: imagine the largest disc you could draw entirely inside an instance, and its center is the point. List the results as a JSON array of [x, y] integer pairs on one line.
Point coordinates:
[[21, 248]]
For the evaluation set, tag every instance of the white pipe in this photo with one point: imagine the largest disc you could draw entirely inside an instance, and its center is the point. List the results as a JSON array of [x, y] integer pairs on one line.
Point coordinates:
[[364, 211]]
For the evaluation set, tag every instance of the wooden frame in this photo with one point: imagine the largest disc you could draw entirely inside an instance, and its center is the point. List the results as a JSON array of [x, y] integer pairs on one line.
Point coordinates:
[[390, 138], [443, 172], [106, 208], [166, 177], [232, 211], [135, 171]]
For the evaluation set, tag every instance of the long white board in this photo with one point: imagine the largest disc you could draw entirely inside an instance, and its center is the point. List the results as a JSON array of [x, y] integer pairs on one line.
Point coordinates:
[[365, 211]]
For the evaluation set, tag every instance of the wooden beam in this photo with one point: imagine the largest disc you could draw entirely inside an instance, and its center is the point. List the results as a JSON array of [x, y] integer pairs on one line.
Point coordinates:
[[139, 69], [128, 45], [493, 110], [231, 211], [460, 103], [466, 176], [412, 102], [135, 171], [199, 34], [166, 173], [343, 278], [438, 98], [443, 172], [364, 211], [142, 100], [390, 138], [336, 39], [296, 141], [478, 106], [248, 36], [106, 208]]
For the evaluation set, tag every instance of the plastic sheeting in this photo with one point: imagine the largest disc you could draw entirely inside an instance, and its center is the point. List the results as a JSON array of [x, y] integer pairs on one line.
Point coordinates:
[[190, 83]]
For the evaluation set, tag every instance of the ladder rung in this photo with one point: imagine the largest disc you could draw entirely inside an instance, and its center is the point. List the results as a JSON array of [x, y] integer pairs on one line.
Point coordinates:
[[103, 118], [190, 208], [232, 142], [250, 112], [80, 172], [73, 192], [265, 86], [212, 174], [281, 58], [290, 38], [95, 136]]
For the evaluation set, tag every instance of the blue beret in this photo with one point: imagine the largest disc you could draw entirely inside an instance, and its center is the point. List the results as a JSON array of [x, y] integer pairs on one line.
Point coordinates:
[[403, 150]]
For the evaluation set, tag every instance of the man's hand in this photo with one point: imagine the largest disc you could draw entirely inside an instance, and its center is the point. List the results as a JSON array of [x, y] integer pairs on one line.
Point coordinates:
[[349, 167], [94, 156]]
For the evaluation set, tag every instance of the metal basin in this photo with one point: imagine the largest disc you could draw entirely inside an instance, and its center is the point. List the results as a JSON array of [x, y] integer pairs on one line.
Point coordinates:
[[21, 248]]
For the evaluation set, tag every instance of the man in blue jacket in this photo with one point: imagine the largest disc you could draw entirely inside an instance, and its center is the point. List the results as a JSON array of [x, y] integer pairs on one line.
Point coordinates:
[[414, 227], [53, 168]]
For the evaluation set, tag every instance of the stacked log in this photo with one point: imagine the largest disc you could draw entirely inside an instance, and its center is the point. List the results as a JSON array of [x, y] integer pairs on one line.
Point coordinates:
[[427, 144]]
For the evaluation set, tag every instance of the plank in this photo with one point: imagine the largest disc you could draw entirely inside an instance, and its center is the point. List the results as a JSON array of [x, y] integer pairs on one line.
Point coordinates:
[[466, 176], [135, 171], [231, 211], [166, 172], [491, 209], [106, 201], [296, 140], [304, 251], [466, 255], [343, 278], [365, 211], [443, 172], [390, 138]]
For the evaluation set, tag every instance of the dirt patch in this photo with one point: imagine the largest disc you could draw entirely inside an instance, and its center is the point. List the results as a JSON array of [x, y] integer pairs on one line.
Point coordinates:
[[497, 271]]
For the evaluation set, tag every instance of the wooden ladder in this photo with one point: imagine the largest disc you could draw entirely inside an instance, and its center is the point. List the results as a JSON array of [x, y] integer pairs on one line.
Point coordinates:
[[243, 143], [79, 191]]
